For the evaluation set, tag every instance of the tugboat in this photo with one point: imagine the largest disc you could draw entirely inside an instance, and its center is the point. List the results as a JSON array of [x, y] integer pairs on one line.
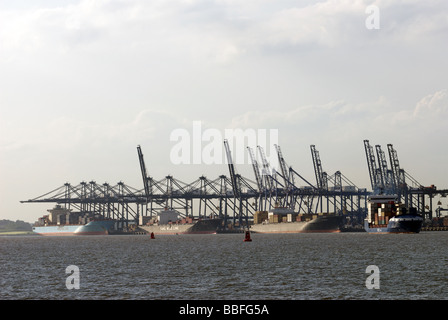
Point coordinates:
[[387, 215]]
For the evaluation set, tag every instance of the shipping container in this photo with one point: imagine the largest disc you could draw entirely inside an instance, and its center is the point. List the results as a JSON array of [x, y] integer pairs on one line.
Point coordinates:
[[260, 216]]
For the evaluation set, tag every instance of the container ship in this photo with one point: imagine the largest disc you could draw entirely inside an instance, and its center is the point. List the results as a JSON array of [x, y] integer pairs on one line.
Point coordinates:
[[168, 222], [285, 220], [63, 222], [386, 215]]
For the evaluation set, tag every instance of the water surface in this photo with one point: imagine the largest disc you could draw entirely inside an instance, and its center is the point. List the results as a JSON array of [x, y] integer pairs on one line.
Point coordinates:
[[199, 267]]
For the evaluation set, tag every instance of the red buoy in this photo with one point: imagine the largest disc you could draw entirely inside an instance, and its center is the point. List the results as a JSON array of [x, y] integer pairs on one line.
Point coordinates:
[[247, 237], [152, 235]]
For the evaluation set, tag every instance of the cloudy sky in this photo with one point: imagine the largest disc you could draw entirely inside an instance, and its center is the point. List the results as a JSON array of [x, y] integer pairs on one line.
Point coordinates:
[[82, 83]]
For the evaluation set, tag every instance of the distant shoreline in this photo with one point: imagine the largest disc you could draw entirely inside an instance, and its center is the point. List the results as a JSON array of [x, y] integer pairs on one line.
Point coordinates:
[[17, 233]]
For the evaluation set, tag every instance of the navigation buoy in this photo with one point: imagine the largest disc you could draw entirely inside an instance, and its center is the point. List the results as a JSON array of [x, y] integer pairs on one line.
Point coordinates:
[[247, 237], [152, 235]]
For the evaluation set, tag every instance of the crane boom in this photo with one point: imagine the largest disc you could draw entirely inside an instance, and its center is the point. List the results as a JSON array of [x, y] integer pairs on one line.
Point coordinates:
[[373, 169], [386, 174], [397, 173], [231, 169], [321, 183], [382, 165], [143, 170], [266, 171], [256, 169], [282, 162]]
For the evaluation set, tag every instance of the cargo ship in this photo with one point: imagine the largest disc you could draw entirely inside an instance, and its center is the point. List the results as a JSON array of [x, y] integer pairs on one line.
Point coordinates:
[[63, 222], [169, 222], [386, 215], [285, 220]]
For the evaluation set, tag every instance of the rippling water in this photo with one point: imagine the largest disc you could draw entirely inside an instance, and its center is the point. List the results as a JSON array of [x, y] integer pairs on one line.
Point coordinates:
[[197, 267]]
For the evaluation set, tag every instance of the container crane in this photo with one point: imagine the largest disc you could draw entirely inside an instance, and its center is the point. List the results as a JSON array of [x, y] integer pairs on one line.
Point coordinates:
[[320, 175], [398, 175], [282, 163], [266, 173], [386, 174], [374, 171], [236, 185], [146, 186], [256, 170], [233, 176]]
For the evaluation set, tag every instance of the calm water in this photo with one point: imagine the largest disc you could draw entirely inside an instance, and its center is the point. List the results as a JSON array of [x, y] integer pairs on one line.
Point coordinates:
[[197, 267]]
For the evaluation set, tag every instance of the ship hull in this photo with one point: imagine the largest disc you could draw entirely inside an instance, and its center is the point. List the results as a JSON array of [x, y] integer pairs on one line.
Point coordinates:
[[398, 224], [321, 224], [68, 230], [91, 228], [209, 226], [96, 228]]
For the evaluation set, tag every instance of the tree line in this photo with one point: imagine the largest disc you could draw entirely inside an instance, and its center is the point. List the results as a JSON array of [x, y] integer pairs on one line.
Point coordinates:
[[19, 225]]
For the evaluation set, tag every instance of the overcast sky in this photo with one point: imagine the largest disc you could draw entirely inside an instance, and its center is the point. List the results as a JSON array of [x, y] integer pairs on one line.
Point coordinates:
[[82, 83]]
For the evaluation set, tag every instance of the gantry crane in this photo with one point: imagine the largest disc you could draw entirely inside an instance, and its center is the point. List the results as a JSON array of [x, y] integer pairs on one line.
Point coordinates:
[[374, 171], [322, 182], [256, 170], [386, 176]]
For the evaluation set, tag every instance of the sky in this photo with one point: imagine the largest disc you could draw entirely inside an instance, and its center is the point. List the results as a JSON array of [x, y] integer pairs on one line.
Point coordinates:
[[83, 83]]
